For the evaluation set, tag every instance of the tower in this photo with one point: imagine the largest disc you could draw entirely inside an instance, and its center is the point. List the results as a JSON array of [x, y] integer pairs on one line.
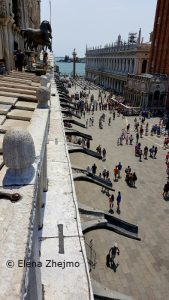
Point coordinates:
[[74, 63], [159, 56]]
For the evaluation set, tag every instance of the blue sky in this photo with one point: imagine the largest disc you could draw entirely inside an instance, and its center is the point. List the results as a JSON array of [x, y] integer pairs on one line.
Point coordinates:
[[76, 23]]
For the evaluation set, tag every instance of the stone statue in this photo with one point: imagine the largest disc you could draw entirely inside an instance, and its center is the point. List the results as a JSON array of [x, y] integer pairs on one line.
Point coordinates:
[[36, 37]]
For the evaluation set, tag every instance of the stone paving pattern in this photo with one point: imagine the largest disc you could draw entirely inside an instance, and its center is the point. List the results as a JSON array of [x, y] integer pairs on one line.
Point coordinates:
[[143, 272]]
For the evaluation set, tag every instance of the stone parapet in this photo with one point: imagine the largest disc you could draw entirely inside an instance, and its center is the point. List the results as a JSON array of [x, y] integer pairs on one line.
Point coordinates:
[[20, 220]]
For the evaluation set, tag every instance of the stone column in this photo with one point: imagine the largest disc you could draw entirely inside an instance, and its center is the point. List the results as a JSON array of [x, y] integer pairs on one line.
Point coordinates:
[[6, 45]]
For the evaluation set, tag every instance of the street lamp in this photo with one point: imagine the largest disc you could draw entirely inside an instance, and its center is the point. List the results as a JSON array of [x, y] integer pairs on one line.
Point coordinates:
[[74, 62]]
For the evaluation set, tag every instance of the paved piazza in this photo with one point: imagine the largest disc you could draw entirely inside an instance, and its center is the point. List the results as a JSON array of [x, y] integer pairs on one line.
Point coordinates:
[[143, 270]]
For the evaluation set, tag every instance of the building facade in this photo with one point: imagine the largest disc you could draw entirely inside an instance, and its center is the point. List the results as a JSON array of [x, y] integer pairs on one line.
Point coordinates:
[[159, 56], [109, 66], [14, 16], [147, 91], [151, 91]]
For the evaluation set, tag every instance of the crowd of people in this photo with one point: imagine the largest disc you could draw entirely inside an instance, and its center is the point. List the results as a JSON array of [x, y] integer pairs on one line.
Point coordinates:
[[21, 60], [131, 135]]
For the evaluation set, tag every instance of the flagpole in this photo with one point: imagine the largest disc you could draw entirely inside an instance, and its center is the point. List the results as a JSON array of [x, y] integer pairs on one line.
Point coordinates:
[[50, 11]]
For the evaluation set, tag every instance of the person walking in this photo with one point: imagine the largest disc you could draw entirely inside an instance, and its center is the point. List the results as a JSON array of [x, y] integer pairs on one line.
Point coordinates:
[[83, 142], [145, 152], [127, 139], [128, 127], [116, 171], [88, 169], [104, 154], [140, 154], [167, 157], [141, 131], [137, 137], [107, 174], [109, 121], [118, 199], [165, 190], [155, 152], [88, 144], [131, 139], [20, 57], [119, 169], [99, 149], [104, 173], [134, 179], [111, 203], [111, 257], [94, 168]]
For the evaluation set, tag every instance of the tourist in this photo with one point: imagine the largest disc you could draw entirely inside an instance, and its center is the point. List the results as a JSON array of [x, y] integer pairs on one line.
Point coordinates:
[[166, 190], [140, 154], [116, 172], [20, 57], [104, 173], [155, 152], [104, 154], [118, 199], [94, 168], [145, 152], [111, 203], [128, 127], [121, 140], [109, 123], [119, 166], [114, 115], [127, 138], [83, 142], [88, 144], [141, 131], [87, 123], [131, 139], [111, 257], [137, 137], [167, 157], [88, 169], [107, 174], [99, 149], [134, 179], [128, 170], [152, 149]]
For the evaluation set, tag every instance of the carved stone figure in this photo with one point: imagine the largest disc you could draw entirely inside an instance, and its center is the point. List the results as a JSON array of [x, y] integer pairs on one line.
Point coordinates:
[[36, 37]]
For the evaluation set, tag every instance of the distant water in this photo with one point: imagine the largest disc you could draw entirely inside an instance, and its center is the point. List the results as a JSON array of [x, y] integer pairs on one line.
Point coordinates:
[[67, 68]]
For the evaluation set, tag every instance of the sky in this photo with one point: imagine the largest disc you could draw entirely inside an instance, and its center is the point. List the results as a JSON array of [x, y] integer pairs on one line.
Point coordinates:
[[77, 23]]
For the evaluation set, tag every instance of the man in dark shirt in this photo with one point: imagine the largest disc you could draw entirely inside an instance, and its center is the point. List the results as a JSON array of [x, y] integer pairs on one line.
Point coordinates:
[[112, 254], [20, 56]]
